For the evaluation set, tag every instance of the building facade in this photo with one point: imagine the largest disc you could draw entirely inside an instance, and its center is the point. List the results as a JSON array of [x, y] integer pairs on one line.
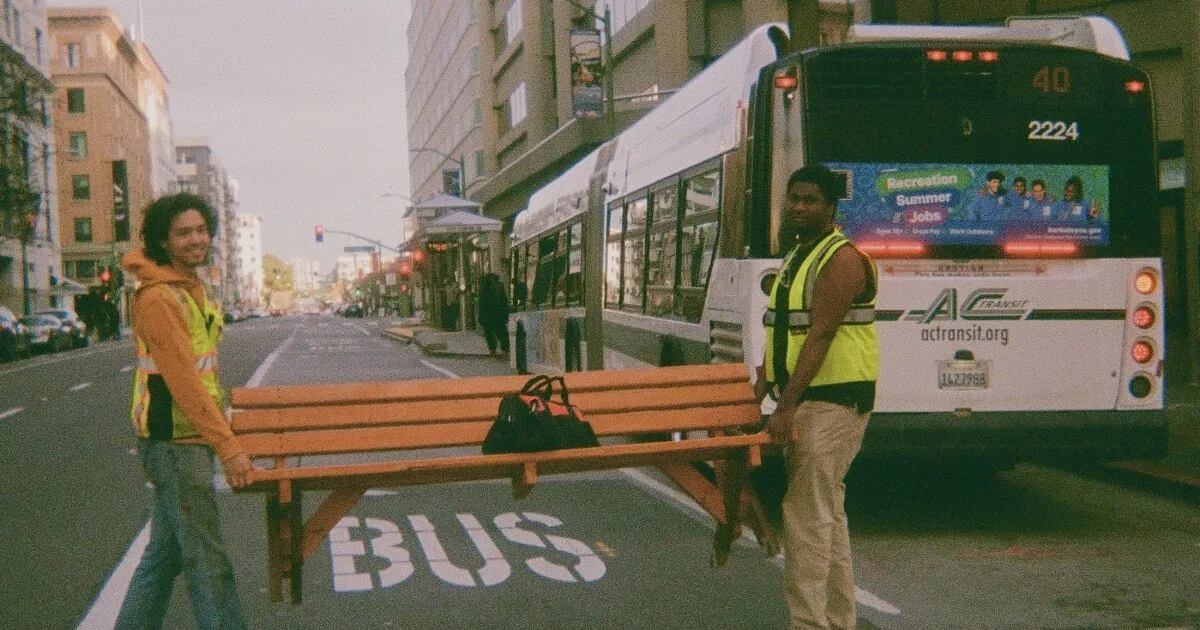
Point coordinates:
[[103, 145], [198, 171], [153, 97], [248, 248], [306, 276], [30, 238]]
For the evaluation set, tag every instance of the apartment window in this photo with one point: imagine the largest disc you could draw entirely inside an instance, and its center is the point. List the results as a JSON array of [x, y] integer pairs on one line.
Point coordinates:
[[78, 145], [476, 112], [76, 103], [16, 22], [516, 106], [474, 56], [81, 187], [37, 36], [514, 21], [83, 269], [480, 163], [73, 55], [83, 230], [8, 17]]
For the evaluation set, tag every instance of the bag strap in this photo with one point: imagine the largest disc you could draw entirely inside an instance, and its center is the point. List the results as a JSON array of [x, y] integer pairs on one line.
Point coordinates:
[[562, 389], [540, 386]]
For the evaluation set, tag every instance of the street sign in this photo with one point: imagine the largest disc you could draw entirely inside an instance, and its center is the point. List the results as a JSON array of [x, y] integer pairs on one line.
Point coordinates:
[[359, 249]]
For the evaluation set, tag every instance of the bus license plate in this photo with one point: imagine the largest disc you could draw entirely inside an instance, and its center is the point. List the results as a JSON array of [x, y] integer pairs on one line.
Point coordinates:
[[963, 375]]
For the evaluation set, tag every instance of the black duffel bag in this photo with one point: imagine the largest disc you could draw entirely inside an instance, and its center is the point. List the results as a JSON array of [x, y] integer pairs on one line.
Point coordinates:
[[531, 420]]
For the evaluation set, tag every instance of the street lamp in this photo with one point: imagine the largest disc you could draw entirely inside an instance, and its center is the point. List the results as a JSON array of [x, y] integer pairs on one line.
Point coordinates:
[[462, 167]]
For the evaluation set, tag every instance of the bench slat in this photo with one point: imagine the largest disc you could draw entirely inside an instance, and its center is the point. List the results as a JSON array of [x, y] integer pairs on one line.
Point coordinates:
[[594, 405], [424, 436], [479, 467], [490, 386]]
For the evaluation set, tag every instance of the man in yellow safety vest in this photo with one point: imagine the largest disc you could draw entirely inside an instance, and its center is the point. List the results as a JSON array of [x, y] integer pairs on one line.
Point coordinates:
[[821, 364]]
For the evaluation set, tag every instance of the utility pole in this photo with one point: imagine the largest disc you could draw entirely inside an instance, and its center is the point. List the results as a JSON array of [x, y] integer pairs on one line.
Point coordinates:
[[1191, 208]]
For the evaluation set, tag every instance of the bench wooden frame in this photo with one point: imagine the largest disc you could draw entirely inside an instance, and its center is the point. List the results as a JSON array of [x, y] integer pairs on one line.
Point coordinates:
[[418, 422]]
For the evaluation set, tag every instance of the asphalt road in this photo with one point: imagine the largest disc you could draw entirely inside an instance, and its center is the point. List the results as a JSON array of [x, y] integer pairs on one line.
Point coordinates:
[[1034, 547]]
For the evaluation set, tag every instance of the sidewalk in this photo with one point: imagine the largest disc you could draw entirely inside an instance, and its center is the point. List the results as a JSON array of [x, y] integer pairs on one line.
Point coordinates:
[[438, 342]]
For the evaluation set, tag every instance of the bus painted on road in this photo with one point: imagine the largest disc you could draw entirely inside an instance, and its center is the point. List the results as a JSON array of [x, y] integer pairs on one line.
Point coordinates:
[[1003, 179]]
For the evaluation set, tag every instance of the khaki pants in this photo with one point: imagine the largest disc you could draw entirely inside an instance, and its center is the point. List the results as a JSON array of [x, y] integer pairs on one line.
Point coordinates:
[[820, 580]]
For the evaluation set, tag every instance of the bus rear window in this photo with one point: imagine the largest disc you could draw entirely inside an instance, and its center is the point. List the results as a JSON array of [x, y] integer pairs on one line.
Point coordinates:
[[975, 204]]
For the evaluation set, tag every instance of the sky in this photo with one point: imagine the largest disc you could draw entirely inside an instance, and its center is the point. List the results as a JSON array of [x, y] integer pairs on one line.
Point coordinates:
[[302, 102]]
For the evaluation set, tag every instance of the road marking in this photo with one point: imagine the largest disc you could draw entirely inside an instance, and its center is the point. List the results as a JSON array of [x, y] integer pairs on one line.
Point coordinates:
[[438, 368], [4, 415], [103, 613], [864, 597], [258, 375], [67, 356], [80, 387], [127, 368]]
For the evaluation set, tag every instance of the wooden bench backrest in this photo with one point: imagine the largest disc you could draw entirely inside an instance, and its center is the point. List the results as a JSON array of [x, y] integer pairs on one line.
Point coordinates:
[[396, 415]]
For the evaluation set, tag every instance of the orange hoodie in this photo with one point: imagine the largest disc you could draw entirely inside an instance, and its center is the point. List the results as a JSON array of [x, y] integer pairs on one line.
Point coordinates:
[[158, 322]]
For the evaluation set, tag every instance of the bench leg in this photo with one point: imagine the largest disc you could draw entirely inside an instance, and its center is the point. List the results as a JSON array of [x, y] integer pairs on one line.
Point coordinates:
[[275, 551], [732, 482], [295, 518]]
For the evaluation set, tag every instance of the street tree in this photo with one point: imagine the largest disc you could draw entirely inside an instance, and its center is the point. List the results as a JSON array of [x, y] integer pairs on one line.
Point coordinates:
[[277, 278]]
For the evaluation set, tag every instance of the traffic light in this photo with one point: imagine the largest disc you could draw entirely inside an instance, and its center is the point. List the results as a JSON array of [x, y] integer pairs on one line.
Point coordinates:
[[418, 255], [320, 233], [404, 288], [404, 268], [357, 292], [105, 275]]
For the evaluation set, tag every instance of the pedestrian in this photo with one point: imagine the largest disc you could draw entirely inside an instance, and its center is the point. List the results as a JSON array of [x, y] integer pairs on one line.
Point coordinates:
[[821, 364], [493, 313], [179, 413]]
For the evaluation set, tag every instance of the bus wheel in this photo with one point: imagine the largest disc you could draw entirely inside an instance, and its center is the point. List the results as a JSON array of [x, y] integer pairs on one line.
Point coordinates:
[[519, 349], [573, 357], [671, 352]]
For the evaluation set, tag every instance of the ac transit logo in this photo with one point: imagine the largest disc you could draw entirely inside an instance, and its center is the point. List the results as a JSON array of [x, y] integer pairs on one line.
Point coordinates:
[[979, 305]]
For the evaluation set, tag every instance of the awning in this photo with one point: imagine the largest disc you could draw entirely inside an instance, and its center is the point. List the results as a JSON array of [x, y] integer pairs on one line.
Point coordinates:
[[444, 202], [67, 286], [462, 223]]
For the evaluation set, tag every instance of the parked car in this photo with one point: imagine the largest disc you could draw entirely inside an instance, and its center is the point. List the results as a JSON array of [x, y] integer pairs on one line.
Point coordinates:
[[14, 340], [79, 330], [353, 310], [47, 333]]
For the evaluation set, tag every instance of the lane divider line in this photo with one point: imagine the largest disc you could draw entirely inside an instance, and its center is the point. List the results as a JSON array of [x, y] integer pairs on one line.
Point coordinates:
[[80, 387], [4, 415], [104, 611], [439, 369]]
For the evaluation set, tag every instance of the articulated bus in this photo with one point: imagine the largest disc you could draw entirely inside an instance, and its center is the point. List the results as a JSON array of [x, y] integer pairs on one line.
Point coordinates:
[[1001, 177]]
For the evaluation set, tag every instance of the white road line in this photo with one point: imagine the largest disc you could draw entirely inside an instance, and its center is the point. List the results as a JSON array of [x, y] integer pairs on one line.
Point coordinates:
[[864, 597], [80, 387], [261, 372], [438, 368], [104, 611], [127, 368], [4, 415]]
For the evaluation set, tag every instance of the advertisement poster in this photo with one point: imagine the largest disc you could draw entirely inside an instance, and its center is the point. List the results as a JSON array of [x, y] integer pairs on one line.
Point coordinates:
[[587, 87], [975, 204]]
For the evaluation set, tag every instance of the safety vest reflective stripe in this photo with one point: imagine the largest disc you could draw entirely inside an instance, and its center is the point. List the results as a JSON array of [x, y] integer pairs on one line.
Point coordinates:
[[205, 363], [810, 279], [801, 319]]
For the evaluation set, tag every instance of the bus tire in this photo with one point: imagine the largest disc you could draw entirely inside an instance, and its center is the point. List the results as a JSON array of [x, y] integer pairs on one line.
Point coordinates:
[[572, 352], [671, 351], [519, 353]]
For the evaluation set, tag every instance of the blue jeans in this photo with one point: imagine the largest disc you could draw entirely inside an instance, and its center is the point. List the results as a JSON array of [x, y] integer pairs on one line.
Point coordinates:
[[185, 537]]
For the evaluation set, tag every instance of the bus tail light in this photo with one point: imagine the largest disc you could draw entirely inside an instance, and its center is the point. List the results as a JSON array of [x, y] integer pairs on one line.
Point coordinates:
[[989, 56], [1145, 282], [963, 55], [1040, 248], [935, 55], [1143, 317], [1141, 385], [892, 248], [1135, 87], [1142, 351], [786, 81]]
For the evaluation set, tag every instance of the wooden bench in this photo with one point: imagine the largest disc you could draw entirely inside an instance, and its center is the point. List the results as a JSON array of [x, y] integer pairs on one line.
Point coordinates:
[[418, 424]]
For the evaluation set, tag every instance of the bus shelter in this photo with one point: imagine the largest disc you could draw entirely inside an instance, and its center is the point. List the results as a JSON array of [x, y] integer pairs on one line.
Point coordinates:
[[459, 243]]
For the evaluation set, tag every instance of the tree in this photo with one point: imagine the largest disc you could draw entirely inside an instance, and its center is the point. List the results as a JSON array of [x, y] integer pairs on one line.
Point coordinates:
[[277, 277]]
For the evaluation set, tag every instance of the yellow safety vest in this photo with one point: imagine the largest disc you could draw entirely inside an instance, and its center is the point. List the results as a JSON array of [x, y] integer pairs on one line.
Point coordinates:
[[854, 354], [154, 412]]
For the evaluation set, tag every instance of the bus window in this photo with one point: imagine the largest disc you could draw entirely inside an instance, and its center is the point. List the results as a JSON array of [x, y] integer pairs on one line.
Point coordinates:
[[558, 265], [612, 265], [519, 288], [698, 242], [575, 264], [661, 256], [543, 279], [634, 256]]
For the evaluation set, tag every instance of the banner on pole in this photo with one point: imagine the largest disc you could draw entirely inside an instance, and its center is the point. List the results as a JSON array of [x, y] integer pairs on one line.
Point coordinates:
[[587, 74]]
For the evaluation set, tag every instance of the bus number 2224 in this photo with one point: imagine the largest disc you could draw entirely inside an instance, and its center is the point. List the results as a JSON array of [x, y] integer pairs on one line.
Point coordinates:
[[1056, 130]]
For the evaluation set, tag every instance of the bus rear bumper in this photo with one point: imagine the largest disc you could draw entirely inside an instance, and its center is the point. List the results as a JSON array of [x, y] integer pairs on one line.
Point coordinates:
[[1093, 436]]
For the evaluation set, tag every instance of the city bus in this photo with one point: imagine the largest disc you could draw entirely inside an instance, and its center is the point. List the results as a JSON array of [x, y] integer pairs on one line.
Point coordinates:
[[1002, 178]]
